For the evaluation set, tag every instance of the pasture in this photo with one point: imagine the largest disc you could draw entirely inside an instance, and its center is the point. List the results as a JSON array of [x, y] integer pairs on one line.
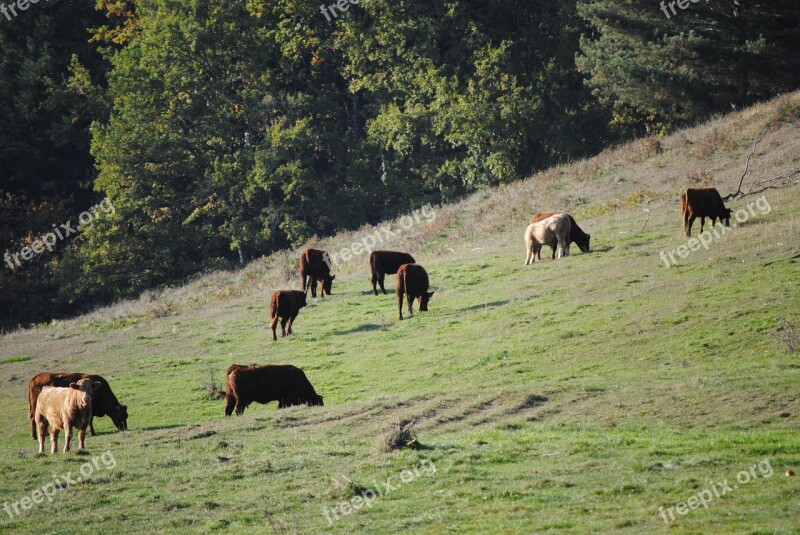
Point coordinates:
[[576, 395]]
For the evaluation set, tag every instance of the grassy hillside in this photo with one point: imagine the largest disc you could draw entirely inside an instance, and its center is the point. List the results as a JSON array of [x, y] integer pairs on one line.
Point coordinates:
[[578, 395]]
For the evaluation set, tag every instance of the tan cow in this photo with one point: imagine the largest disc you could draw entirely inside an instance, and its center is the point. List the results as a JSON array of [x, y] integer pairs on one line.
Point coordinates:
[[60, 408], [553, 231]]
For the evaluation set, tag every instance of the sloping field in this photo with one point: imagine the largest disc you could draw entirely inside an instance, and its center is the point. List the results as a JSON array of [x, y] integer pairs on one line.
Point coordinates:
[[578, 395]]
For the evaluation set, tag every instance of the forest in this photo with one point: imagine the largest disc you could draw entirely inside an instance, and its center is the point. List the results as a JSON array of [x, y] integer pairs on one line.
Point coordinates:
[[172, 138]]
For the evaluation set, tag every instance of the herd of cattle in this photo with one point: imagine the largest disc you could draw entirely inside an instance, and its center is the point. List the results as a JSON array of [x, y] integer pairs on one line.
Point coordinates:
[[63, 401]]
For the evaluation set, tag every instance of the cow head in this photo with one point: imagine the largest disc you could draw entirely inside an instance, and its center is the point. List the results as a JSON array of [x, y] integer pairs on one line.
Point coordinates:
[[301, 298], [119, 415], [583, 244], [315, 400], [423, 301], [327, 283], [87, 386]]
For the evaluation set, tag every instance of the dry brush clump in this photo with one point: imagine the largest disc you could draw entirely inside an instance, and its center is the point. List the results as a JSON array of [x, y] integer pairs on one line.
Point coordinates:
[[788, 336], [400, 436]]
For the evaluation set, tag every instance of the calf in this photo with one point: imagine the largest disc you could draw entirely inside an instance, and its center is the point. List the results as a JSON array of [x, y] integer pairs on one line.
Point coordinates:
[[553, 231], [60, 408], [104, 402], [382, 263], [285, 305], [576, 233], [702, 203], [315, 266], [412, 282], [285, 384]]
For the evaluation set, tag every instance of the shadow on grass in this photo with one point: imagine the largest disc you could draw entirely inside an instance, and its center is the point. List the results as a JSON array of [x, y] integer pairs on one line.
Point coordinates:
[[482, 306], [161, 427], [363, 328]]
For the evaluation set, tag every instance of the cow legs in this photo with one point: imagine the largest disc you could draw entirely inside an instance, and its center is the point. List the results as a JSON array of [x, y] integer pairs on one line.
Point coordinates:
[[410, 303], [91, 426], [230, 403], [313, 283], [81, 439], [400, 304], [53, 440], [289, 326], [239, 407], [42, 431], [274, 326], [381, 278], [283, 327], [33, 428], [305, 282], [68, 435], [689, 223], [702, 224], [531, 256]]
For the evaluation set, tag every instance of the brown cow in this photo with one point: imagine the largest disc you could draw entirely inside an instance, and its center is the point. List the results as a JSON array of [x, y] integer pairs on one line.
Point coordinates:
[[104, 402], [576, 233], [703, 203], [285, 384], [60, 408], [285, 305], [553, 231], [412, 282], [382, 263], [315, 266]]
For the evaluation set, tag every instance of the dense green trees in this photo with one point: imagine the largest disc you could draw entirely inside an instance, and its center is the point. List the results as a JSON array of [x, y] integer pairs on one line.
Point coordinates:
[[222, 130], [665, 65]]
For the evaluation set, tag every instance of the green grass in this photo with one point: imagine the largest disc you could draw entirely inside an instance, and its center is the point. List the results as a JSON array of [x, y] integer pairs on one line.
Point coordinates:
[[578, 395]]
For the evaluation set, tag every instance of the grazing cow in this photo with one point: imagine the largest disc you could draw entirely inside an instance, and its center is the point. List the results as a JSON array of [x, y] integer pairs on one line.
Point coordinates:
[[703, 203], [60, 408], [313, 268], [553, 231], [576, 233], [285, 384], [382, 263], [285, 305], [104, 402], [412, 282]]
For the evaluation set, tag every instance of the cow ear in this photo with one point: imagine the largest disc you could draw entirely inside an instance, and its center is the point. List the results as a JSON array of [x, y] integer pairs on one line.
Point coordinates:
[[333, 277], [96, 385], [430, 294], [75, 386]]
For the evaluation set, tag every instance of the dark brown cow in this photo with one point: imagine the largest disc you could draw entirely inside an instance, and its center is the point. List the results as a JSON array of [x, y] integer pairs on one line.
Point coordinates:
[[285, 384], [576, 233], [285, 305], [412, 282], [382, 263], [314, 266], [104, 402], [703, 203]]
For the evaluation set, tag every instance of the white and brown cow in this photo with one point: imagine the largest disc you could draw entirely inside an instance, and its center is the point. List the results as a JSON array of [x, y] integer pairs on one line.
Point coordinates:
[[60, 408], [553, 231]]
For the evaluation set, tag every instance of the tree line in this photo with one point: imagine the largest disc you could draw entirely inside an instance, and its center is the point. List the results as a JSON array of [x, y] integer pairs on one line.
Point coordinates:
[[224, 130]]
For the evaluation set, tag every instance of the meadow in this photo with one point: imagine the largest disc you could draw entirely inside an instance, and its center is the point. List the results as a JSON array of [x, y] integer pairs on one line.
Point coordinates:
[[571, 396]]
